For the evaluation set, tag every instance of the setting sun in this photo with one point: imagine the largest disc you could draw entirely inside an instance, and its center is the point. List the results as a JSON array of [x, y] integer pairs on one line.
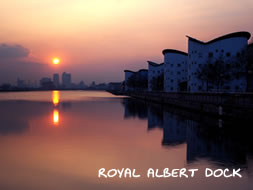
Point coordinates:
[[56, 60]]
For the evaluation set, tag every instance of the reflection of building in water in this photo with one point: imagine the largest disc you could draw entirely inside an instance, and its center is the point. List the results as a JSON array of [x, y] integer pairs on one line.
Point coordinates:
[[134, 108], [206, 142], [155, 117], [174, 129], [226, 145], [250, 165], [66, 105]]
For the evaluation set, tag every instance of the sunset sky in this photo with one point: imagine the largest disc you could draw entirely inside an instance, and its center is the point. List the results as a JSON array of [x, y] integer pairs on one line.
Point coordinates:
[[98, 39]]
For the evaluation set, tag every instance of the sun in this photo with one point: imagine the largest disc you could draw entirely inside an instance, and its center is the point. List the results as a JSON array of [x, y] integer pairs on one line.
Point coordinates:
[[56, 61]]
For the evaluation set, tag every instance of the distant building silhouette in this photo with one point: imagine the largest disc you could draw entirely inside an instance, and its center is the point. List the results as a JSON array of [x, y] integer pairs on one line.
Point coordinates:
[[56, 80], [66, 80], [81, 85], [20, 83], [46, 83]]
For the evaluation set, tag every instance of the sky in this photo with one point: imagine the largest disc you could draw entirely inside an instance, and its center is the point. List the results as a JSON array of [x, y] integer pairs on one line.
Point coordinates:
[[97, 39]]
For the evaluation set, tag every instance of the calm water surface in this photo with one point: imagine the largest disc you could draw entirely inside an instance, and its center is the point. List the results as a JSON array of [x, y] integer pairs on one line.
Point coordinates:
[[59, 141]]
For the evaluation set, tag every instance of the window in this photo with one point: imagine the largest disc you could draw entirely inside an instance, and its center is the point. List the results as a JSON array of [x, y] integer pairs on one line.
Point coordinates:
[[228, 54], [217, 50], [171, 65], [238, 54], [171, 80], [179, 65], [222, 50], [171, 88], [200, 87], [178, 73], [210, 54]]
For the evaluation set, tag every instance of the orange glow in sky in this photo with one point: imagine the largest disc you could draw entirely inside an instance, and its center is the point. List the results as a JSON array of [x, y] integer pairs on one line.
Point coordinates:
[[99, 39], [56, 60]]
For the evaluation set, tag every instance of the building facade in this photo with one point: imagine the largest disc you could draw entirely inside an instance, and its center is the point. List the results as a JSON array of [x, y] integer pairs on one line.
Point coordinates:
[[66, 80], [250, 68], [56, 80], [136, 80], [154, 71], [220, 53], [175, 70], [128, 74]]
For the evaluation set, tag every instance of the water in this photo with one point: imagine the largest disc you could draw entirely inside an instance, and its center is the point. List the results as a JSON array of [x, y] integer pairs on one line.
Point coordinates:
[[59, 140]]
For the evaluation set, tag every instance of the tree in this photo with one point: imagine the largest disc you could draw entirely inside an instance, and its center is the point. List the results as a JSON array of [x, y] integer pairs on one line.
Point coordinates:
[[215, 71], [203, 73], [220, 72]]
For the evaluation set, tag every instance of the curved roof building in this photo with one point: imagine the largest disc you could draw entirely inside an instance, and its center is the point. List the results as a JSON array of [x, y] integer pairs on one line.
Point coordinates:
[[175, 70], [154, 70], [226, 47]]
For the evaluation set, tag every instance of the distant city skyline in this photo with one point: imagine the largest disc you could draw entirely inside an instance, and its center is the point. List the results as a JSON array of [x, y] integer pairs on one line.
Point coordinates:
[[96, 40]]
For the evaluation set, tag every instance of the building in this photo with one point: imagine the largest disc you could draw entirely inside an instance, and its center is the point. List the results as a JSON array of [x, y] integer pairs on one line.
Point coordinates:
[[66, 80], [56, 80], [218, 55], [250, 68], [175, 70], [82, 85], [155, 76], [46, 83], [21, 83], [115, 86], [128, 75], [136, 80]]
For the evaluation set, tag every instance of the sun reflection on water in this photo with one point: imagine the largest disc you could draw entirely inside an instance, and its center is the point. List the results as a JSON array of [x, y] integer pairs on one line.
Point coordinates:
[[56, 100], [56, 117], [56, 97]]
